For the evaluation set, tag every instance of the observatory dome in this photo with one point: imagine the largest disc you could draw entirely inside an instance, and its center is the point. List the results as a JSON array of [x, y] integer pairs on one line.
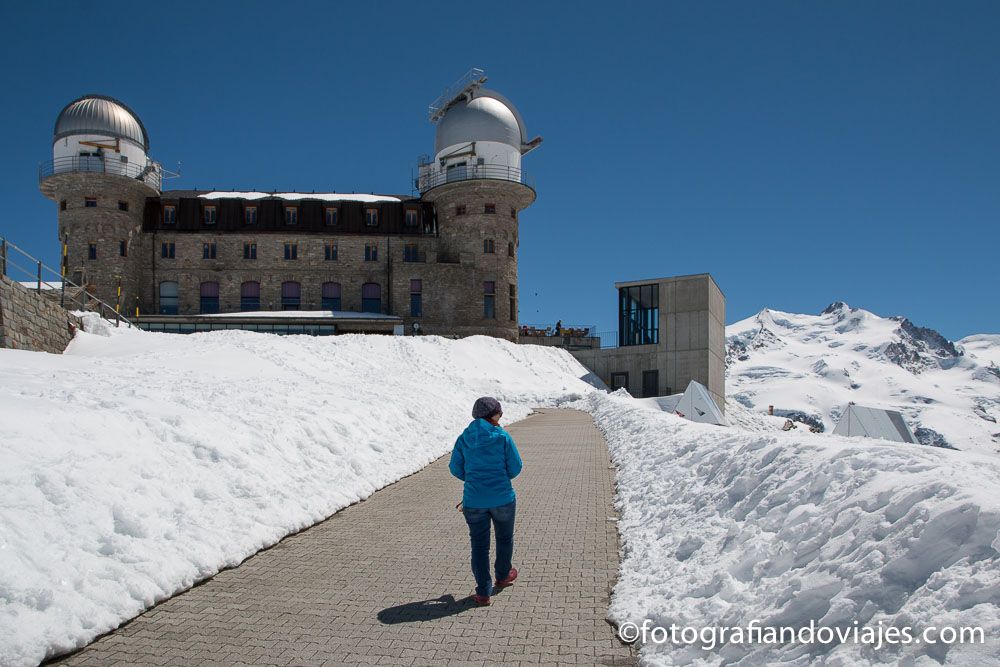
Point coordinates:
[[101, 115], [485, 117]]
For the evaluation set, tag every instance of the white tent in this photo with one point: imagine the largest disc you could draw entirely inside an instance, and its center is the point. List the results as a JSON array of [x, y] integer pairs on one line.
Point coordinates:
[[697, 405], [874, 423]]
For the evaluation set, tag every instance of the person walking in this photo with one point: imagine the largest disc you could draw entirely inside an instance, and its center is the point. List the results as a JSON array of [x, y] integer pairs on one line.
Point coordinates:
[[486, 459]]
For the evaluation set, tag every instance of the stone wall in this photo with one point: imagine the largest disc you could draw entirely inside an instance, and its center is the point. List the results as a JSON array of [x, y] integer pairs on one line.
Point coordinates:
[[30, 321]]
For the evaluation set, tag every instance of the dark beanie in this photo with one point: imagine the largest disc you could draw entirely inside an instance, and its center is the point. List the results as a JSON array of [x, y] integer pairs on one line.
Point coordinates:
[[486, 407]]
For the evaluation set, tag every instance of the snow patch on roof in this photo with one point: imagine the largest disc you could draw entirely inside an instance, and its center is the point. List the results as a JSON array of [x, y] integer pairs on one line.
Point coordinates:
[[323, 196]]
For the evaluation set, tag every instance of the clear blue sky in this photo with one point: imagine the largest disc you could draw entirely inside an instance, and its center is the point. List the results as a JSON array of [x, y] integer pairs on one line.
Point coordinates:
[[801, 152]]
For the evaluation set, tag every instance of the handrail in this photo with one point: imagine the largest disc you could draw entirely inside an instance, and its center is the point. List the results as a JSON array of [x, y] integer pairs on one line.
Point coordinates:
[[150, 174], [568, 330], [87, 299], [471, 172]]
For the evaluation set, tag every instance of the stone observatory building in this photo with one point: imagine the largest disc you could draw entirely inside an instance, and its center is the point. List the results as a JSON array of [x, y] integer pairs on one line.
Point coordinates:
[[442, 260]]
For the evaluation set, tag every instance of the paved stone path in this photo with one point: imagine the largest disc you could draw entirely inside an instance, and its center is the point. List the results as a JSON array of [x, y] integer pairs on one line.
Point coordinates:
[[383, 582]]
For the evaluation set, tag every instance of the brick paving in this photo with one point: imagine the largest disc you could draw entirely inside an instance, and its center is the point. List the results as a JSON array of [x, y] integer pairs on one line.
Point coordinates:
[[384, 582]]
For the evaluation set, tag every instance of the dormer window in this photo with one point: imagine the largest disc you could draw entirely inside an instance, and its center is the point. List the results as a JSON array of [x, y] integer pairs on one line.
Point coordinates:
[[412, 217], [208, 215], [331, 216], [169, 215], [291, 215], [250, 215], [371, 217]]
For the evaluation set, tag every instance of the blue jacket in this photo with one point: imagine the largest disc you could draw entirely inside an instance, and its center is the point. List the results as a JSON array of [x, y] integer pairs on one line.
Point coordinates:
[[486, 459]]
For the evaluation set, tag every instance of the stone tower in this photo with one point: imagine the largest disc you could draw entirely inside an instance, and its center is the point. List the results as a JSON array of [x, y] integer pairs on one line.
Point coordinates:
[[478, 189], [100, 176]]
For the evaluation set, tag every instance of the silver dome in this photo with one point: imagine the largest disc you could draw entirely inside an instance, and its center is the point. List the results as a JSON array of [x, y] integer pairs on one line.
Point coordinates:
[[487, 116], [99, 114]]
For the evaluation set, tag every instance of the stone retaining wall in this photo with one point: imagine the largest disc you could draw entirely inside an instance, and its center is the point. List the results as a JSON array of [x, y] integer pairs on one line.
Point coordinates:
[[30, 321]]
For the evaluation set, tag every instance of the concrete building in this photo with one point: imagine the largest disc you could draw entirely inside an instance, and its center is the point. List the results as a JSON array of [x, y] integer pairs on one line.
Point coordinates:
[[442, 261], [670, 331]]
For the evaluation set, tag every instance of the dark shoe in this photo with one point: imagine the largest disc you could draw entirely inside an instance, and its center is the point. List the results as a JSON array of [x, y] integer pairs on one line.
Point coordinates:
[[511, 576], [481, 600]]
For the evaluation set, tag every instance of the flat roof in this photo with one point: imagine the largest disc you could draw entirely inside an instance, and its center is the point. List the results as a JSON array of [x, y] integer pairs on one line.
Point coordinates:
[[671, 279]]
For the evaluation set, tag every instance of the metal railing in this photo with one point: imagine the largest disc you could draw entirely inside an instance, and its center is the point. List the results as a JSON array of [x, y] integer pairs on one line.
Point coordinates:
[[474, 78], [471, 172], [69, 293], [609, 339], [567, 330], [150, 174]]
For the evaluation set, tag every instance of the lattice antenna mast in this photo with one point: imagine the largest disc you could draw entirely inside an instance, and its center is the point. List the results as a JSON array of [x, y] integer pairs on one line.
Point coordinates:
[[467, 83]]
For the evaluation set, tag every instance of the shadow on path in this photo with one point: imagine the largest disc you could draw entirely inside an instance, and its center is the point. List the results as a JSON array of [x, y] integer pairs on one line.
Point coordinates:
[[425, 610]]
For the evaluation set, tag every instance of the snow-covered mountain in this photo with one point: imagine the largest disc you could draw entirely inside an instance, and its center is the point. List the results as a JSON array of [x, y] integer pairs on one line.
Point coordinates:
[[810, 367]]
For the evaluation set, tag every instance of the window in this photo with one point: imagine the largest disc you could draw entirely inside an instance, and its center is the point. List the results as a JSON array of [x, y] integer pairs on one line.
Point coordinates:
[[416, 298], [291, 215], [167, 250], [513, 302], [209, 298], [619, 381], [489, 300], [168, 298], [412, 218], [459, 209], [62, 205], [291, 251], [639, 315], [371, 252], [92, 251], [510, 249], [290, 295], [90, 202], [331, 296], [371, 217], [488, 246], [250, 296], [208, 250], [123, 249], [650, 383], [371, 298], [489, 209], [122, 205], [513, 213], [331, 216], [249, 251], [250, 215], [208, 215], [169, 215], [330, 251], [410, 253]]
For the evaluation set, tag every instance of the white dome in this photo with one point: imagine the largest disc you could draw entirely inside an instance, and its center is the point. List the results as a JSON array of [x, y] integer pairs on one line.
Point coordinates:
[[101, 115], [486, 117]]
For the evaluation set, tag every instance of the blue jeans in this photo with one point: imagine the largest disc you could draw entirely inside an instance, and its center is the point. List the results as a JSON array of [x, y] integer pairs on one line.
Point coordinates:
[[479, 535]]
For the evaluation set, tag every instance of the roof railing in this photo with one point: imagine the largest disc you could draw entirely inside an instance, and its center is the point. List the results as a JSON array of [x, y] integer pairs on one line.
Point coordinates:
[[151, 174], [490, 172], [469, 81]]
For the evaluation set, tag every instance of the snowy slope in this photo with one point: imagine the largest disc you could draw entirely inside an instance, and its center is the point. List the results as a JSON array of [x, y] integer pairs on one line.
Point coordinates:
[[137, 464], [721, 527], [812, 366]]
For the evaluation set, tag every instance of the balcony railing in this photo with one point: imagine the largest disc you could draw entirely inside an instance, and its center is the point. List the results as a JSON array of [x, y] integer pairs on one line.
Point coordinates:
[[490, 172], [149, 174]]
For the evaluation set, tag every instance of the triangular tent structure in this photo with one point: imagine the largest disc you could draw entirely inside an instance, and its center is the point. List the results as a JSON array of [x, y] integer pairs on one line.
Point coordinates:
[[697, 405], [874, 423]]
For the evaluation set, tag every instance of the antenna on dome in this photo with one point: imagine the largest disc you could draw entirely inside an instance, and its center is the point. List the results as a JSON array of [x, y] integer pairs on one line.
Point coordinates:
[[468, 82]]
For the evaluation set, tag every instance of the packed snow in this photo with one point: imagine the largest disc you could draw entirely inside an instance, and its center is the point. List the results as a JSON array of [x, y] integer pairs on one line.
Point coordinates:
[[137, 464], [810, 367], [295, 196], [721, 527], [318, 314]]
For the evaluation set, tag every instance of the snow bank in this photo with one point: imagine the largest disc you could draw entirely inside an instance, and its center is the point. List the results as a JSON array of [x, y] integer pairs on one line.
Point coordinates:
[[721, 526], [139, 463]]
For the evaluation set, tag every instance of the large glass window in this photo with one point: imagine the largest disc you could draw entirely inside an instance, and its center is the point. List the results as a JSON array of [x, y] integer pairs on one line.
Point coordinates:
[[168, 298], [331, 296], [291, 293], [209, 297], [371, 298], [639, 315], [250, 296]]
